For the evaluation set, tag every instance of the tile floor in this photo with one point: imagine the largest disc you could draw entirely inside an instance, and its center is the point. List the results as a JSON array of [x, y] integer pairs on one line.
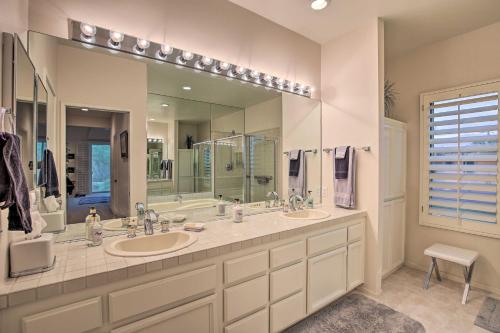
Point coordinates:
[[438, 308]]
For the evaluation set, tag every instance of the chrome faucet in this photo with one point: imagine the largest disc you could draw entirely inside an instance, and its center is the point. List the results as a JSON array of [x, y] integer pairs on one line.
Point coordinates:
[[275, 197], [296, 201], [149, 221], [178, 197]]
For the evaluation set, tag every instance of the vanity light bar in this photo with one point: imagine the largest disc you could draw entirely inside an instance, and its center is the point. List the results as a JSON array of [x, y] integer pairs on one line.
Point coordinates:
[[96, 36]]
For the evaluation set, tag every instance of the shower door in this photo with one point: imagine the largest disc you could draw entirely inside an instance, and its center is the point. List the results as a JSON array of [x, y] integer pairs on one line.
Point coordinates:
[[261, 170], [229, 168]]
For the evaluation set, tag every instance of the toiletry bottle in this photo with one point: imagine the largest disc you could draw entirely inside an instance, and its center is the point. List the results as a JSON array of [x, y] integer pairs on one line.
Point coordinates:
[[96, 231], [310, 200], [88, 223], [237, 212], [221, 207]]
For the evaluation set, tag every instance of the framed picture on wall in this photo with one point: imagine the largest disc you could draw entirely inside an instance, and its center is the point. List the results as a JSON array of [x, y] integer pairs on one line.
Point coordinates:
[[124, 144]]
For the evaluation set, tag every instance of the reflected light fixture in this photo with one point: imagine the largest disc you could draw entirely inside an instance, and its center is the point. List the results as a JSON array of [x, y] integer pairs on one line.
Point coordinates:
[[164, 105], [187, 88], [85, 109], [319, 4], [152, 119], [88, 32], [164, 51]]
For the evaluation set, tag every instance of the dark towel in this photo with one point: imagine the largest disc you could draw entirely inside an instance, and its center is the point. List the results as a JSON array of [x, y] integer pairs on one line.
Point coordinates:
[[294, 169], [13, 186], [341, 163], [48, 175]]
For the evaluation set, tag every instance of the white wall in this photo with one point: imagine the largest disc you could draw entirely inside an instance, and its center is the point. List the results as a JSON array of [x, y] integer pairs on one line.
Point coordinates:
[[468, 58], [263, 116], [216, 28], [351, 82], [77, 75]]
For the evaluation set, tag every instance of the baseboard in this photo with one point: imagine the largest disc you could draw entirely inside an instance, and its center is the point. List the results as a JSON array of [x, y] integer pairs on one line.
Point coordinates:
[[392, 270], [456, 278], [365, 290]]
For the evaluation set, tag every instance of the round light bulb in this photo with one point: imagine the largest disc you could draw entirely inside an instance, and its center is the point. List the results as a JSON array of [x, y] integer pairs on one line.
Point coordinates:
[[254, 74], [268, 78], [88, 30], [142, 43], [280, 81], [166, 49], [319, 4], [241, 70], [206, 61], [187, 55], [225, 65], [116, 37]]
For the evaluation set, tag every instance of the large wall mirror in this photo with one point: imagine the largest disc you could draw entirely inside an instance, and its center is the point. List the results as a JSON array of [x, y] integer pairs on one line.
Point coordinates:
[[130, 129]]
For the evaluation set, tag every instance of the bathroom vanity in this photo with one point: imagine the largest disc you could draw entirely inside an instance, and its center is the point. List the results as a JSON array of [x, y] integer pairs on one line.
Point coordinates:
[[262, 275]]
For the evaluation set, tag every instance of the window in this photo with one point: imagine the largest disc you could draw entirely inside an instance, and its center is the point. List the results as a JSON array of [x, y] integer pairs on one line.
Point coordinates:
[[459, 159], [100, 167]]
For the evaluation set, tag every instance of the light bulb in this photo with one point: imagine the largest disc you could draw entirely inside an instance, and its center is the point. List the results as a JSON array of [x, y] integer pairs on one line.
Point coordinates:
[[319, 4], [116, 37], [142, 43], [206, 61], [166, 49], [254, 74], [268, 78], [186, 55], [280, 81], [241, 70], [225, 66], [88, 30]]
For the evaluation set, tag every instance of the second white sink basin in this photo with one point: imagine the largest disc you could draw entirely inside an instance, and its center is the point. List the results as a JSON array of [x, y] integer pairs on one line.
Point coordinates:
[[151, 245], [307, 214]]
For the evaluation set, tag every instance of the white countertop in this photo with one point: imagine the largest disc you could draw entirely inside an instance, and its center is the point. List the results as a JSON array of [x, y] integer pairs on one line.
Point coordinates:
[[79, 266]]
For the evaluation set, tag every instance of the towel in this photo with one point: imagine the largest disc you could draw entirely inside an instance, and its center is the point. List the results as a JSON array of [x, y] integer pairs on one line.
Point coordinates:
[[299, 182], [345, 194], [48, 175], [294, 166], [14, 192], [341, 162]]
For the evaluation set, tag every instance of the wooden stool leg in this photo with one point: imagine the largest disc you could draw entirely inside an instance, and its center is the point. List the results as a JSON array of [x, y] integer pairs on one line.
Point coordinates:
[[429, 274], [467, 283], [434, 261]]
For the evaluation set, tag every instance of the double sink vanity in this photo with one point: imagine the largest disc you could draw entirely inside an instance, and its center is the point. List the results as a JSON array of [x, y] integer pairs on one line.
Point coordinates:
[[261, 275]]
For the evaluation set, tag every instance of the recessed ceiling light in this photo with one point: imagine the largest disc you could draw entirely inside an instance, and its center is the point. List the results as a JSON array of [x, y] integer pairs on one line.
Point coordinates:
[[85, 109], [164, 105], [319, 4], [186, 88]]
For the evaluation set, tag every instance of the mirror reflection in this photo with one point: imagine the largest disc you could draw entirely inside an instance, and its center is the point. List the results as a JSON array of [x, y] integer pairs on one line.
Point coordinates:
[[41, 128], [130, 130]]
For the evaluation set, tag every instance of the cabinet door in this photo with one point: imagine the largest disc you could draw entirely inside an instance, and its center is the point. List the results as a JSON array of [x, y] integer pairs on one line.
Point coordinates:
[[394, 159], [393, 235], [198, 316], [326, 278], [355, 265]]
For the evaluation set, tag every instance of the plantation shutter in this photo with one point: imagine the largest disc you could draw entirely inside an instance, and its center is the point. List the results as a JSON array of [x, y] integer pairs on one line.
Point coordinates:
[[461, 159]]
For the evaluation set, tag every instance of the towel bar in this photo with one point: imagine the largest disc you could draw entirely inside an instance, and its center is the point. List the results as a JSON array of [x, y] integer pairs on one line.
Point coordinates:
[[364, 148], [314, 151]]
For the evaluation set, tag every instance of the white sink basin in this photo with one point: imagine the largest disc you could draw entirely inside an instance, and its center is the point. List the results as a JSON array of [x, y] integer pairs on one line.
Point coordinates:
[[113, 225], [151, 245], [307, 214]]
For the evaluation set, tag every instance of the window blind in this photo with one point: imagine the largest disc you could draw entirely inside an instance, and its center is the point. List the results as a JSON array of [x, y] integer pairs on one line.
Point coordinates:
[[462, 158]]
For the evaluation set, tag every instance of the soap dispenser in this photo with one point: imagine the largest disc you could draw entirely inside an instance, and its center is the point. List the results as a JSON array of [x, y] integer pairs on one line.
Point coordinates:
[[309, 200], [89, 220], [237, 212], [95, 230], [221, 207]]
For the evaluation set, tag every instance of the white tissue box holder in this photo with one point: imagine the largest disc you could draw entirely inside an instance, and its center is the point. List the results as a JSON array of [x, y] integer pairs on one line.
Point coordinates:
[[32, 256]]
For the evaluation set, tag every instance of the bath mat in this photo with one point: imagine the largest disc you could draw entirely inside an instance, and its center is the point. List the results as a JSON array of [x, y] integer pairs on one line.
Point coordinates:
[[489, 315], [93, 200], [357, 313]]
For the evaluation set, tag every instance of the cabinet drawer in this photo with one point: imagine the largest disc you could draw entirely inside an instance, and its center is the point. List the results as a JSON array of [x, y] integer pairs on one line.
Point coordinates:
[[287, 281], [355, 232], [287, 312], [258, 322], [287, 254], [327, 241], [77, 317], [239, 269], [245, 298], [152, 295]]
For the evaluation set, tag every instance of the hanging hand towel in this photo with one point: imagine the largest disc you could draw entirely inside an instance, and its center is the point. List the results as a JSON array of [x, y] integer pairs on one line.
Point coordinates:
[[341, 162], [299, 182], [345, 194]]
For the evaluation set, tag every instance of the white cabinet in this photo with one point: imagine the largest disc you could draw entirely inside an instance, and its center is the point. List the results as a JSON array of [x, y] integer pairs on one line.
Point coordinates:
[[287, 312], [326, 278], [355, 265], [394, 189], [198, 316], [393, 235], [258, 322]]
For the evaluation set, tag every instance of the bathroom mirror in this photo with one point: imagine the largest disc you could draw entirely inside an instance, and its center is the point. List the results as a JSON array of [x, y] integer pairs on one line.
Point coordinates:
[[41, 127], [24, 109], [184, 136]]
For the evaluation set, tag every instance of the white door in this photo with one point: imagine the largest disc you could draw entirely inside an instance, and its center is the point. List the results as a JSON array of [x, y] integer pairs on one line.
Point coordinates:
[[393, 235], [326, 278]]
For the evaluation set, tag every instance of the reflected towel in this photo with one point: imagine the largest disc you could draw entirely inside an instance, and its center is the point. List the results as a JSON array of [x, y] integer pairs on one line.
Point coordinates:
[[48, 175], [299, 182], [345, 189], [294, 164]]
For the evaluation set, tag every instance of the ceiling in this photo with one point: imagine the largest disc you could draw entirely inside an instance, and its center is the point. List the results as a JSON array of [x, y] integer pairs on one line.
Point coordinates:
[[409, 23]]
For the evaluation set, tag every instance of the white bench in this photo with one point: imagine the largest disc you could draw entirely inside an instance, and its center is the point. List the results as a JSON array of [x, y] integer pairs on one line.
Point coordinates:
[[463, 257]]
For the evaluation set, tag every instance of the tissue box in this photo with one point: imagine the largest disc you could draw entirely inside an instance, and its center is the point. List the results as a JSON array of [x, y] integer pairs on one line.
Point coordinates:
[[32, 256]]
